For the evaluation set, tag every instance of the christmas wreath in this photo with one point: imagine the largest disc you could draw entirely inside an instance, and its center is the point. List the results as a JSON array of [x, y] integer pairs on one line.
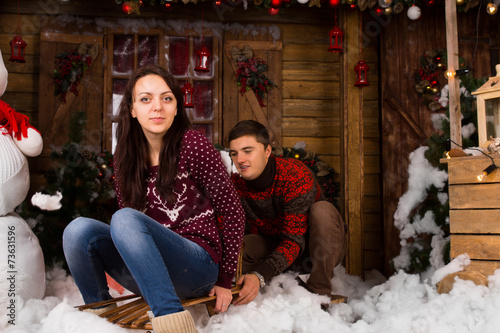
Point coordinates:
[[251, 75], [430, 73], [71, 67]]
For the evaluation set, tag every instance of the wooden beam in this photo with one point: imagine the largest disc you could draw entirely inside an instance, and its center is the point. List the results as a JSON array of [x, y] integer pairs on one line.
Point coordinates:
[[351, 128], [404, 115], [453, 82]]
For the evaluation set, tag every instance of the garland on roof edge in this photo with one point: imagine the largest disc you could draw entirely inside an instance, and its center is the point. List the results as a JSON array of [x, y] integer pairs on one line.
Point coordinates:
[[383, 7]]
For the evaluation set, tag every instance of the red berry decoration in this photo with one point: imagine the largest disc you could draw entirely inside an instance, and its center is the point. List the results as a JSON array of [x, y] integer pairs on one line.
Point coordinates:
[[273, 11]]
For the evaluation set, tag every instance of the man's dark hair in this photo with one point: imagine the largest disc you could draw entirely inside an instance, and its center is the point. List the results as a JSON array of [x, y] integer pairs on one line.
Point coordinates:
[[252, 128]]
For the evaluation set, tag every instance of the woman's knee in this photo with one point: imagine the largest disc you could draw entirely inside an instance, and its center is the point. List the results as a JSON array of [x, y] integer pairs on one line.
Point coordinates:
[[76, 230], [124, 222]]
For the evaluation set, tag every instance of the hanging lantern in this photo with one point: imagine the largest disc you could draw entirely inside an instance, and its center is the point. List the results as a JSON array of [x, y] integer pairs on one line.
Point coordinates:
[[361, 70], [188, 91], [17, 46], [202, 59], [336, 39]]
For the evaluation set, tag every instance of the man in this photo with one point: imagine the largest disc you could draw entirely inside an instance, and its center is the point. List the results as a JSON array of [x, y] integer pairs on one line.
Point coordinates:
[[289, 223]]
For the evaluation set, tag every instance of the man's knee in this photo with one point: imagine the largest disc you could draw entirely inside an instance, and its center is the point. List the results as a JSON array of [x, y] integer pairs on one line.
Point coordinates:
[[325, 218]]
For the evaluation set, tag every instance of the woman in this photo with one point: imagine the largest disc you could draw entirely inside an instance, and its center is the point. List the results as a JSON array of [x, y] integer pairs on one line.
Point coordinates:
[[180, 225]]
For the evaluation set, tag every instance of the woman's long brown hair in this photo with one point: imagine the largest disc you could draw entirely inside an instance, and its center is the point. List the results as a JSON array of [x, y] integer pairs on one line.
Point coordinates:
[[131, 153]]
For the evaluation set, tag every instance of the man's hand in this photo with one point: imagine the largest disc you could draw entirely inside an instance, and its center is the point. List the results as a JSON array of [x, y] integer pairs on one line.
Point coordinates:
[[223, 300], [250, 290]]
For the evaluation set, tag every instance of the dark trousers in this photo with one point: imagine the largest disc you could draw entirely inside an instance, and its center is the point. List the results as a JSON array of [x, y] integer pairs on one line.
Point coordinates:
[[326, 247]]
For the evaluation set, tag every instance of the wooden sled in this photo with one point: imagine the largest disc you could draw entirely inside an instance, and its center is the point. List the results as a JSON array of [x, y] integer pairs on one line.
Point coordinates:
[[134, 314]]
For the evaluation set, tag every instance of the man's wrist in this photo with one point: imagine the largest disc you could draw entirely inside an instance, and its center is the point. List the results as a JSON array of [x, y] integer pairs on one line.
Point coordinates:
[[262, 281]]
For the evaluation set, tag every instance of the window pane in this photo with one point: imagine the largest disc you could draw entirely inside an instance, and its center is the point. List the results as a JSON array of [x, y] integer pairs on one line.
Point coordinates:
[[178, 56], [123, 54], [118, 91], [204, 129], [197, 44], [148, 50], [202, 100]]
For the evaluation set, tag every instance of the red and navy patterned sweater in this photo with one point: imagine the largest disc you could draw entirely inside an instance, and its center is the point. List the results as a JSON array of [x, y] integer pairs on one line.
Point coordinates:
[[281, 211]]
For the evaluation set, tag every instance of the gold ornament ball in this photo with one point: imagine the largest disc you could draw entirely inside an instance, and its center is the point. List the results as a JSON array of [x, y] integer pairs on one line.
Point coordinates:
[[434, 90], [460, 2], [397, 8], [388, 11], [297, 156]]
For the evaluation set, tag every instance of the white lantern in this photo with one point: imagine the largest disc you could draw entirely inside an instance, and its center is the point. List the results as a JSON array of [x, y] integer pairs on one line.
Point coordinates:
[[488, 109]]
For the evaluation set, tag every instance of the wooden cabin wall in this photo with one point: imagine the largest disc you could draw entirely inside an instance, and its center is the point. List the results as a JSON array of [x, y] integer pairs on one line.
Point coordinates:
[[311, 113], [311, 91], [406, 120]]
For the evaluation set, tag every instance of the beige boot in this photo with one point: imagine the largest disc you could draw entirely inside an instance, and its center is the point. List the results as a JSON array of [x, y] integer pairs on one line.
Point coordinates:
[[178, 322], [100, 311]]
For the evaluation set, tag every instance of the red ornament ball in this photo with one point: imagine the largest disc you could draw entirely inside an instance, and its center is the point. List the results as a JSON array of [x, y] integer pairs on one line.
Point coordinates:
[[334, 3], [126, 7], [275, 3], [379, 11]]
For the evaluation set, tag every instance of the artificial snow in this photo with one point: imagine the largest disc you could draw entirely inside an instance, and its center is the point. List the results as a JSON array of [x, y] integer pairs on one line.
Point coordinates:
[[401, 304], [46, 201]]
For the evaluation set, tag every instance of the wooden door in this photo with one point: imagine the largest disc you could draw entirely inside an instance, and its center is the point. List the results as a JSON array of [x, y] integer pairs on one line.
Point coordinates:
[[237, 107], [54, 114]]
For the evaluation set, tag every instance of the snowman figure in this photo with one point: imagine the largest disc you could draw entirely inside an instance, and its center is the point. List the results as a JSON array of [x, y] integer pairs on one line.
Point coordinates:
[[22, 268]]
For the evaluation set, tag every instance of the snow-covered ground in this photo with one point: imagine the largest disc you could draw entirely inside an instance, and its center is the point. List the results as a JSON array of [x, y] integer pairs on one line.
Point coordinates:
[[403, 303]]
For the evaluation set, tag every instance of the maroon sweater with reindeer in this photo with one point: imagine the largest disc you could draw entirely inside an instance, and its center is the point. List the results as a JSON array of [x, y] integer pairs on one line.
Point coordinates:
[[280, 210], [204, 193]]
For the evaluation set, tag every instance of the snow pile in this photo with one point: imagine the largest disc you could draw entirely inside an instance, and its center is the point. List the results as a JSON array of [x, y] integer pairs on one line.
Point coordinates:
[[422, 175], [400, 304]]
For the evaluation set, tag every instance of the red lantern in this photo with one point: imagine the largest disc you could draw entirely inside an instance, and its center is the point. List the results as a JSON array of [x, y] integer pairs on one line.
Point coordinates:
[[336, 38], [202, 59], [361, 69], [17, 46], [218, 3], [188, 91]]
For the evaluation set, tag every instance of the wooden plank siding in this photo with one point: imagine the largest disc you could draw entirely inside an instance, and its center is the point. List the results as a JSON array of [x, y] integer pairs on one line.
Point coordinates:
[[403, 42]]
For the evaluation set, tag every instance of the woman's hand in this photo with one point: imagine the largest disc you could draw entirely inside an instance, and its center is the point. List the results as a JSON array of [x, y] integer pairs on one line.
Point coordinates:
[[223, 300]]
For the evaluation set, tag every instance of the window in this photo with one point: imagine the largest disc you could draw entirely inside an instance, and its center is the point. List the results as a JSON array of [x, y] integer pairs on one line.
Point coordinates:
[[129, 51]]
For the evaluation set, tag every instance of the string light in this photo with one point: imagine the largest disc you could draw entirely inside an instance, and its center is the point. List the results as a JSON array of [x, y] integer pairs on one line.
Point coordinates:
[[492, 167], [487, 171], [491, 8], [451, 72]]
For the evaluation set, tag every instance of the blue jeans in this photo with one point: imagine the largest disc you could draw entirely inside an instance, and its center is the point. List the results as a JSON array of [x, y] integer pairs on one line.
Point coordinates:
[[142, 255]]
